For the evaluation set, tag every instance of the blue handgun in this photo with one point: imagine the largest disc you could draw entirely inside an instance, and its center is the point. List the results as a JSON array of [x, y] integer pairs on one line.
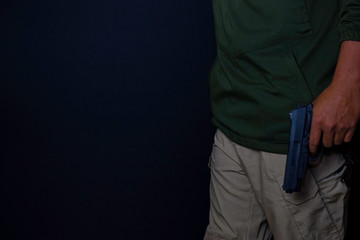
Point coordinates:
[[298, 154]]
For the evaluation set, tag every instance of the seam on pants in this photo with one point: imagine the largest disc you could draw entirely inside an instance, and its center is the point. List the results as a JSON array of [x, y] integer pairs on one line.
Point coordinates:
[[223, 151], [293, 219], [328, 211], [291, 214], [250, 214]]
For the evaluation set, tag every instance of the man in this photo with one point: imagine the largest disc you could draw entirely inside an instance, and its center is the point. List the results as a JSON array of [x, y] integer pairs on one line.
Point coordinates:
[[271, 56]]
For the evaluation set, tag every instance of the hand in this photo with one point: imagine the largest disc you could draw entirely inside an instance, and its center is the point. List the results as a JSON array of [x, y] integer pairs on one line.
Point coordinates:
[[336, 114], [336, 111]]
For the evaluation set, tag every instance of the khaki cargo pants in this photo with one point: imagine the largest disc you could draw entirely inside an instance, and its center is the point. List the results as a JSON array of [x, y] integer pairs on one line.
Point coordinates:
[[247, 201]]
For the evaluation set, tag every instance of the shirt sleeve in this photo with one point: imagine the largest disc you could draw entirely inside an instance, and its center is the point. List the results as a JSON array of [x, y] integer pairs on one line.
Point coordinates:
[[349, 26]]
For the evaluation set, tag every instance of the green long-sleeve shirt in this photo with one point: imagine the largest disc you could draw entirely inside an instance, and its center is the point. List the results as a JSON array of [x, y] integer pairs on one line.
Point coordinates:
[[272, 55]]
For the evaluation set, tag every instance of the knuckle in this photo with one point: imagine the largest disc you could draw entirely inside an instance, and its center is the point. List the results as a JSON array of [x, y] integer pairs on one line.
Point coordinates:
[[342, 126], [313, 147], [330, 127], [317, 121], [353, 125], [327, 144]]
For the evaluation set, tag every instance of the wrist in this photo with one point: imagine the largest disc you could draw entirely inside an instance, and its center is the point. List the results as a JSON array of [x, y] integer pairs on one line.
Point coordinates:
[[347, 72]]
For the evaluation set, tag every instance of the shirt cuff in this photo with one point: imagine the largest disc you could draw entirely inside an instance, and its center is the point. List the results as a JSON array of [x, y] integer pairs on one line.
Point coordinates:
[[348, 34]]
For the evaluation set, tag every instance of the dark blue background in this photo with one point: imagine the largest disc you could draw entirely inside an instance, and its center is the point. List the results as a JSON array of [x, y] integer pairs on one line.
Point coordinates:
[[105, 119]]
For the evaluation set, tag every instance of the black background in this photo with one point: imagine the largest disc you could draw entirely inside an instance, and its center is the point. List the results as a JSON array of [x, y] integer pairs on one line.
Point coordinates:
[[105, 119]]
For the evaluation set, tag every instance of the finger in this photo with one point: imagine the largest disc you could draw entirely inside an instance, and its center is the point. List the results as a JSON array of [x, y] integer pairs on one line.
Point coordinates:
[[339, 137], [328, 139], [348, 136], [314, 139]]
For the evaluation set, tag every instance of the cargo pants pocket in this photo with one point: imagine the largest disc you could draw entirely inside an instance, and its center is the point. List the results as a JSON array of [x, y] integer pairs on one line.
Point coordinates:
[[318, 209]]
